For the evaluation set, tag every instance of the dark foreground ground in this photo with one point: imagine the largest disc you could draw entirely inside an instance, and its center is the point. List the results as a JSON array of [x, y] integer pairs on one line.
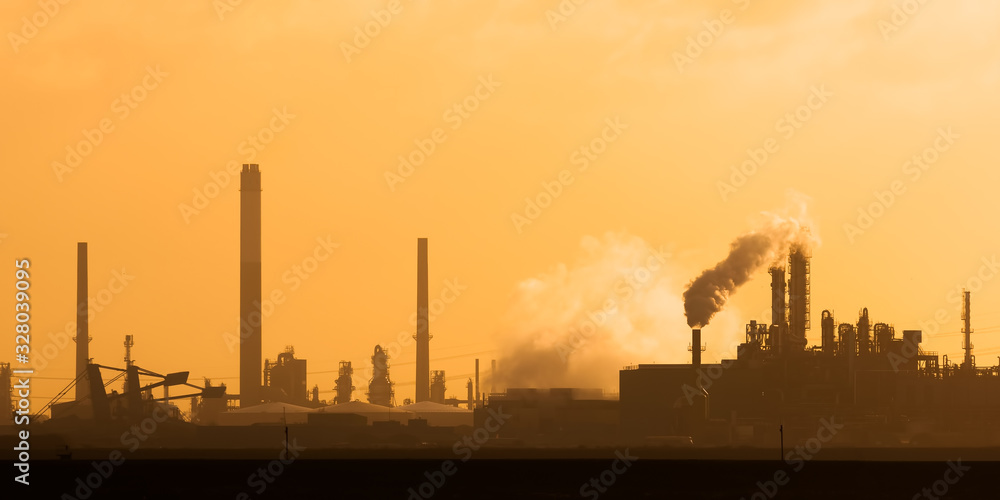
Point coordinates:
[[306, 478]]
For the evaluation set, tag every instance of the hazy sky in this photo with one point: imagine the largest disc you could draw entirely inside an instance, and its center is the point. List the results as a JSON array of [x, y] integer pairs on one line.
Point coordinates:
[[839, 96]]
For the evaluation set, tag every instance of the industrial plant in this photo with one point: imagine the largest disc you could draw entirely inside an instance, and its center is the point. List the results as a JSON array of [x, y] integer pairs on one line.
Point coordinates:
[[269, 390], [878, 383]]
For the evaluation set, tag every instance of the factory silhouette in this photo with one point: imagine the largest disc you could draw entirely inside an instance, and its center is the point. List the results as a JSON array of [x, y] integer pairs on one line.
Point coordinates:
[[878, 385]]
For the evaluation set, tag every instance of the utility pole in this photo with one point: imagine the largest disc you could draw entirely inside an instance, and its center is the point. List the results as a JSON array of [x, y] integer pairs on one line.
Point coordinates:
[[284, 418], [781, 432]]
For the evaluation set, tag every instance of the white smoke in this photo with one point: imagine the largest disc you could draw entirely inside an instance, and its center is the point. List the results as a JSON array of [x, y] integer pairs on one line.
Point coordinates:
[[619, 303]]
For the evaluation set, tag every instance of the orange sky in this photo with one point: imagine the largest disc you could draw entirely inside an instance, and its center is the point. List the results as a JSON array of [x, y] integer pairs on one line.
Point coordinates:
[[332, 121]]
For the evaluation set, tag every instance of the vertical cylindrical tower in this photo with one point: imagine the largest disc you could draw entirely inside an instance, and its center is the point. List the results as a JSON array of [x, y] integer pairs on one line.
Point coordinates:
[[798, 300], [967, 328], [827, 326], [471, 401], [82, 321], [864, 334], [777, 295], [423, 328], [778, 319], [696, 347], [250, 286]]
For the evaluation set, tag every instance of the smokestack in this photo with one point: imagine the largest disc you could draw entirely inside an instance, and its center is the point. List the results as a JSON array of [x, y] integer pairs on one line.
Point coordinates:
[[423, 334], [250, 286], [696, 347], [493, 377], [82, 322], [707, 294], [477, 381]]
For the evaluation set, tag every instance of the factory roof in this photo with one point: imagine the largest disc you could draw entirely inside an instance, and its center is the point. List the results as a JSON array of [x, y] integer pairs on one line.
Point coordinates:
[[359, 407], [273, 408], [431, 407]]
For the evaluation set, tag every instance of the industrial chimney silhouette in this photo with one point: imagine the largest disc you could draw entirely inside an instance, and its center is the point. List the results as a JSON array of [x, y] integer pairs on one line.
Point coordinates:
[[423, 331], [82, 321], [250, 287], [798, 302]]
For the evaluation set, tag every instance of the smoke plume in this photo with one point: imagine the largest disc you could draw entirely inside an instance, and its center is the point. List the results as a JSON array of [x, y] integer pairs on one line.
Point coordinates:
[[618, 303], [767, 244]]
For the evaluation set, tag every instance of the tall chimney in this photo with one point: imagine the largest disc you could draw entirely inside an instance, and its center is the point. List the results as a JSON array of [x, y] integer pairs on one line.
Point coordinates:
[[250, 286], [493, 376], [82, 322], [477, 381], [423, 333], [696, 347]]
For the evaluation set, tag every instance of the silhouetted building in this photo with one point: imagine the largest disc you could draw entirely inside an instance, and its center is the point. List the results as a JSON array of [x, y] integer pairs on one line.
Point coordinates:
[[557, 415], [345, 383], [285, 379], [437, 386], [885, 387], [380, 390]]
